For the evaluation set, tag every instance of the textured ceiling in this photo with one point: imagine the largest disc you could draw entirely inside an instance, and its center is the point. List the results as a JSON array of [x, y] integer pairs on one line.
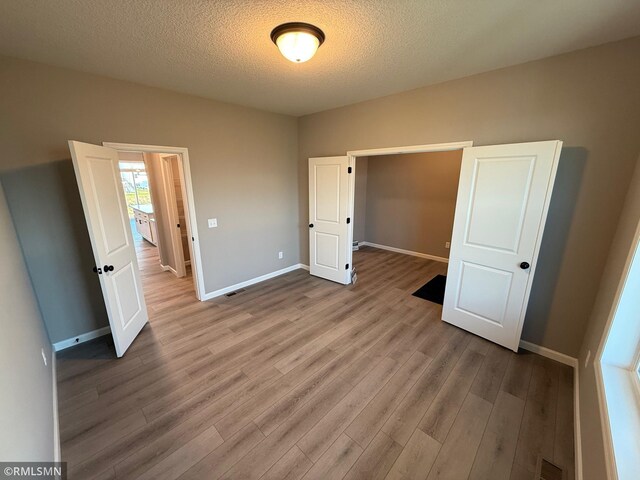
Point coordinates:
[[221, 49]]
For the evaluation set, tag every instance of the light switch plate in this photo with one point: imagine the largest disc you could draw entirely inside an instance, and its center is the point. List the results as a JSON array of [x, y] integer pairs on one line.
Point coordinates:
[[213, 222]]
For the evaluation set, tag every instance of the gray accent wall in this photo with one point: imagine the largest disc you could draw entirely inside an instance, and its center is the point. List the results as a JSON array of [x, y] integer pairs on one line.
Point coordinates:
[[589, 99], [26, 403], [411, 200], [45, 205]]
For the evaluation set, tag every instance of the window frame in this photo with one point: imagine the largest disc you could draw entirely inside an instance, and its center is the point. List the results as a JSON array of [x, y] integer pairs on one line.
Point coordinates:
[[617, 377]]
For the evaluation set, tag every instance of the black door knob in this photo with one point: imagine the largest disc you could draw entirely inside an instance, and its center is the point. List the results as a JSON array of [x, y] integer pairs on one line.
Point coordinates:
[[108, 268], [311, 225], [97, 270], [524, 265]]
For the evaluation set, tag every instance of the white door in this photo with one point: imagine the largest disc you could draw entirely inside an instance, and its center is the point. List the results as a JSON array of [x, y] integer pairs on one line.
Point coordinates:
[[503, 198], [328, 218], [172, 210], [105, 211]]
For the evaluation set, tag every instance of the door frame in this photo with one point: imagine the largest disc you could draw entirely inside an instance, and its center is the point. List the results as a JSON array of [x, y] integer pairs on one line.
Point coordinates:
[[354, 154], [172, 209], [190, 209]]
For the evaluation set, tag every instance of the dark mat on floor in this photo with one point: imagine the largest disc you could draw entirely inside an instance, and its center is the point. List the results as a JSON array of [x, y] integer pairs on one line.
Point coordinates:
[[433, 290]]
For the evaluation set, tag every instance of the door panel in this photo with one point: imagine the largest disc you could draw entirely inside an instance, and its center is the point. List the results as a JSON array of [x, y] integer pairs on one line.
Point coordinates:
[[107, 220], [328, 228], [498, 224], [108, 206], [482, 292], [503, 198]]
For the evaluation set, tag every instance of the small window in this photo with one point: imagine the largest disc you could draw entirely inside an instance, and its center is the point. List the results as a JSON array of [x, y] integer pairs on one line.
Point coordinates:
[[135, 183]]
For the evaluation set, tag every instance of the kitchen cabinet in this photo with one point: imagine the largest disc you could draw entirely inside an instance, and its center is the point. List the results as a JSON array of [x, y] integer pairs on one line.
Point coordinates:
[[145, 221]]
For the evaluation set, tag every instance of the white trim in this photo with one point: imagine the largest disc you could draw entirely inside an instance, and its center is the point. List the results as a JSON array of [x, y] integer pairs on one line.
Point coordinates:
[[434, 147], [548, 353], [247, 283], [577, 432], [190, 212], [405, 252], [85, 337], [598, 366], [605, 424], [169, 268], [354, 154], [56, 422]]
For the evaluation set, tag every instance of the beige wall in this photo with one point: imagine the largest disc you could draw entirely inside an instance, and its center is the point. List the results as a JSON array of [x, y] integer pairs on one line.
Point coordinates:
[[592, 439], [589, 98], [26, 402], [411, 200], [243, 162]]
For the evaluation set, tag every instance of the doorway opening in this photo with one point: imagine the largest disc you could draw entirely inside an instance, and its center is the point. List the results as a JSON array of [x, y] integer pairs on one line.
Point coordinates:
[[158, 192], [405, 204], [385, 210]]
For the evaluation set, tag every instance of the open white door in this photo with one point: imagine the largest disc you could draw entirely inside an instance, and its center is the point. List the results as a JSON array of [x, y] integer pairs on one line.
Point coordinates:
[[105, 211], [501, 209], [328, 218], [171, 205]]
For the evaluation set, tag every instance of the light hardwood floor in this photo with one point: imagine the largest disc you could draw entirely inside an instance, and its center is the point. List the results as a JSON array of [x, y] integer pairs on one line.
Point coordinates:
[[298, 377]]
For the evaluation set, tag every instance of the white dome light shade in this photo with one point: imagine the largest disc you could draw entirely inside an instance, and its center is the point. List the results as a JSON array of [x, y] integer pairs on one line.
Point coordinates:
[[297, 42]]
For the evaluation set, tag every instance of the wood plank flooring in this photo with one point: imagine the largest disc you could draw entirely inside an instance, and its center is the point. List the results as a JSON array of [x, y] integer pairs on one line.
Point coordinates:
[[298, 377]]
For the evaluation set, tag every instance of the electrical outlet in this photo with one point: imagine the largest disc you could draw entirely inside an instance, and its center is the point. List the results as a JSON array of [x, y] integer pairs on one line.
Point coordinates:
[[44, 356], [280, 255], [213, 222], [447, 244], [586, 360]]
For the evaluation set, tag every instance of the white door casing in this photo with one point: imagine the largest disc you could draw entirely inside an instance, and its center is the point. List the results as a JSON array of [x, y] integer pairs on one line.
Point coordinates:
[[328, 214], [103, 201], [501, 209]]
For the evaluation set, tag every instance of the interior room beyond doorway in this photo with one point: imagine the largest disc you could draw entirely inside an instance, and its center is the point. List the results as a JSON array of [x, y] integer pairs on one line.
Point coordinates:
[[153, 189], [406, 202]]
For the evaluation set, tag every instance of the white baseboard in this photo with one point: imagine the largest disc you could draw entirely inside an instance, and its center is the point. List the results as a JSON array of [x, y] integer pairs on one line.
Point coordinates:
[[57, 456], [572, 362], [548, 353], [169, 268], [262, 278], [577, 434], [405, 252], [85, 337]]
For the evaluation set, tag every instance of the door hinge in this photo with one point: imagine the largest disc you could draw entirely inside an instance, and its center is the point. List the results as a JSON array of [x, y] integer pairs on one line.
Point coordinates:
[[349, 170], [346, 267], [193, 239], [348, 219], [178, 225]]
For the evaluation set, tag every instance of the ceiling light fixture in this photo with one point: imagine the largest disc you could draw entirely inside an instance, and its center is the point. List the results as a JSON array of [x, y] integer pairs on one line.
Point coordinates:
[[297, 41]]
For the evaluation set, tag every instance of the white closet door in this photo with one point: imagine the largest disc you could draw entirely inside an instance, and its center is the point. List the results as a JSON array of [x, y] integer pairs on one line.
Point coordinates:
[[328, 218], [502, 204], [105, 211]]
